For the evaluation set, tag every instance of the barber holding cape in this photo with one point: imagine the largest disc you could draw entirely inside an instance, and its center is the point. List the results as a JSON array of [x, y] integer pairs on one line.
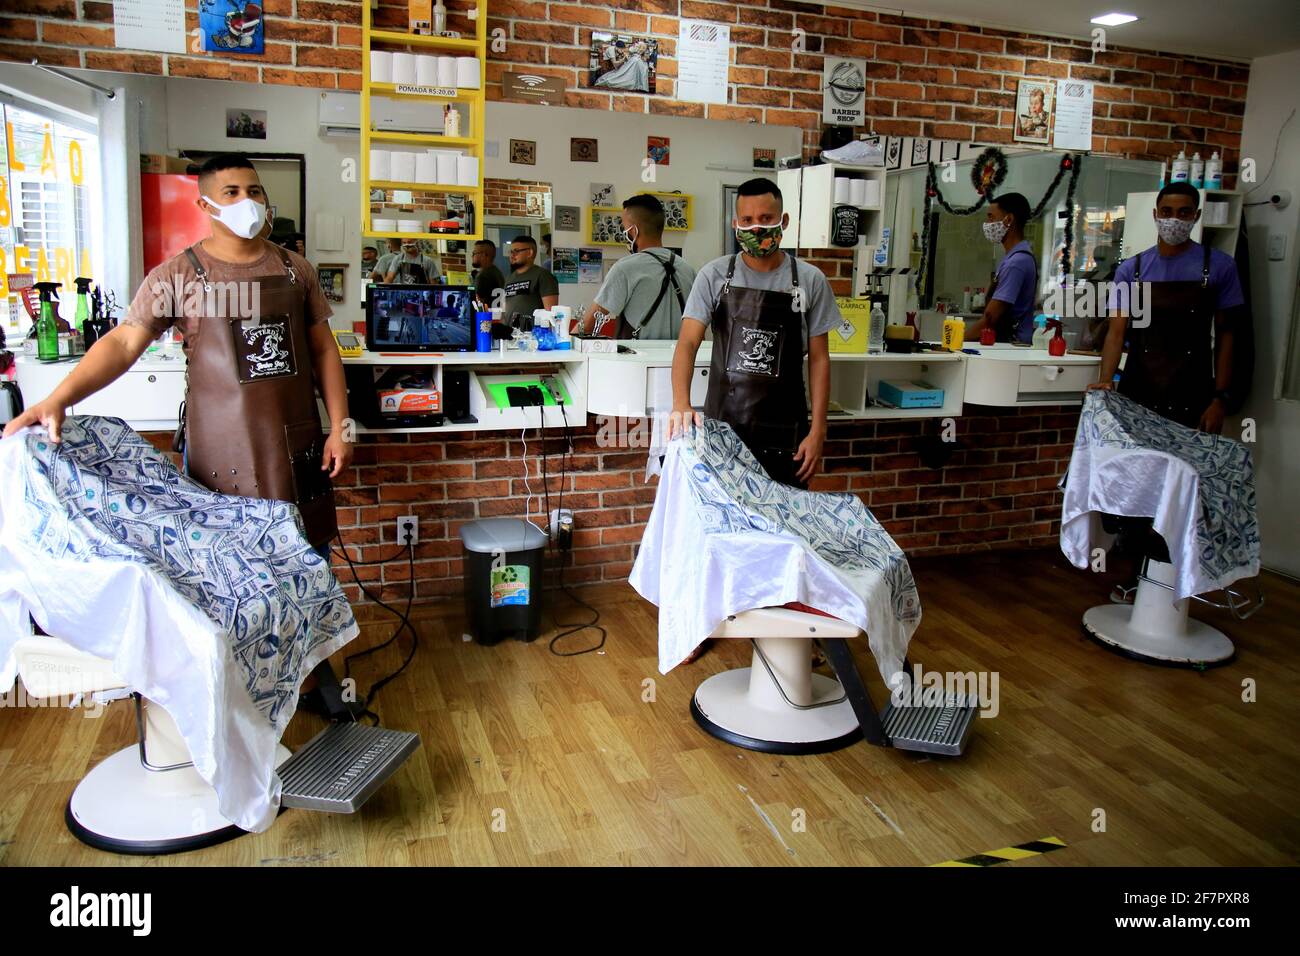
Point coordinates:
[[767, 311]]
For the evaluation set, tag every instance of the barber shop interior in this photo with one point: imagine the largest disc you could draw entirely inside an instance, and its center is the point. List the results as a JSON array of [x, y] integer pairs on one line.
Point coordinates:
[[642, 433]]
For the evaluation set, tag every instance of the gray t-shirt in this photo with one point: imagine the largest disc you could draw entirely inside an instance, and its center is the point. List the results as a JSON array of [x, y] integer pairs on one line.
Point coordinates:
[[524, 290], [420, 270], [633, 284], [821, 314]]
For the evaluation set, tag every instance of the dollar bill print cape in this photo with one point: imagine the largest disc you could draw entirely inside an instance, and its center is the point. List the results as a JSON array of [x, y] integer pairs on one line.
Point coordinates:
[[1199, 489], [724, 538], [214, 607]]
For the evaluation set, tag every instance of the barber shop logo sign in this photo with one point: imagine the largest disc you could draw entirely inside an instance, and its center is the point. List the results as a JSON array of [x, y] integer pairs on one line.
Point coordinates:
[[263, 351]]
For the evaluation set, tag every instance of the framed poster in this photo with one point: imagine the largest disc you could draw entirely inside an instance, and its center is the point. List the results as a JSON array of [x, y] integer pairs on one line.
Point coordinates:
[[920, 152], [583, 149], [622, 62], [568, 219], [231, 27], [894, 152], [604, 226], [1033, 111], [331, 278], [657, 150], [523, 152]]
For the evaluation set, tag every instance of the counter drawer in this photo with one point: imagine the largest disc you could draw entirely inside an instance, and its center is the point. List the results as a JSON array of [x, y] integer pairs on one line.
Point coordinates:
[[1049, 380], [151, 396]]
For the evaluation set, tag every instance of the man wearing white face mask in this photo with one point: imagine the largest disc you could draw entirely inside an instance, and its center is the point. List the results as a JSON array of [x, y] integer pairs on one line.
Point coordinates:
[[250, 423], [1180, 352], [767, 312], [646, 290], [1010, 305]]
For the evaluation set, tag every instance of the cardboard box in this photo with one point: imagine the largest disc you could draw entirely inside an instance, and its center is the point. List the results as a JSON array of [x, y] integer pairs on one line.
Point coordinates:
[[909, 394], [162, 163], [851, 334], [410, 401], [421, 16]]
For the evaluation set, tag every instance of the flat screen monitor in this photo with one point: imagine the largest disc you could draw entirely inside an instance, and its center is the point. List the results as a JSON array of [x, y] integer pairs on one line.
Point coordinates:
[[419, 318]]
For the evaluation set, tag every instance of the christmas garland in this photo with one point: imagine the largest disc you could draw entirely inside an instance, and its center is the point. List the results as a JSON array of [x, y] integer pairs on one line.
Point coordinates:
[[988, 173]]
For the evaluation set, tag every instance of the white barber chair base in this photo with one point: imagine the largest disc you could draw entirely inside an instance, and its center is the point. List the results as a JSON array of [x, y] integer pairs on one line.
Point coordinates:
[[1157, 629], [121, 807], [777, 704]]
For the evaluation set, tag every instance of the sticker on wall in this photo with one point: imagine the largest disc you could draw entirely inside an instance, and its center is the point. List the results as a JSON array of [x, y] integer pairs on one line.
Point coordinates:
[[568, 218], [245, 124], [623, 62], [602, 194], [523, 152], [656, 149], [589, 266], [510, 585], [583, 150], [231, 26], [564, 265], [844, 91]]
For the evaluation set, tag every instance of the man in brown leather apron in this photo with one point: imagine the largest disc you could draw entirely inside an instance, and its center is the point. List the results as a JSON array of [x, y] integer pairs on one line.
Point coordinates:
[[1173, 303], [766, 311], [257, 340]]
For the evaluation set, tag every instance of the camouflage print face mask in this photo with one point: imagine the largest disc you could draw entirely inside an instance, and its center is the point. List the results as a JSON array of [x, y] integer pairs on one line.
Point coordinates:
[[759, 241]]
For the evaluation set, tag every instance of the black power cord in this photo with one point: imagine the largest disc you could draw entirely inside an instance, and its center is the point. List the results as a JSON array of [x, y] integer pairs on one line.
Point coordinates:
[[404, 620], [570, 627]]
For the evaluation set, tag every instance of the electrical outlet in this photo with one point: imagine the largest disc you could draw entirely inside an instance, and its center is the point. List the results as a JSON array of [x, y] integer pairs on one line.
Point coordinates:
[[408, 526], [562, 527]]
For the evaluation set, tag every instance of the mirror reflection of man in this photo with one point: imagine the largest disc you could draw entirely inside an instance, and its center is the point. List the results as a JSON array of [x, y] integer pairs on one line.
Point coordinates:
[[369, 258], [529, 287], [250, 407], [646, 291], [767, 311], [411, 266], [487, 277], [1009, 307]]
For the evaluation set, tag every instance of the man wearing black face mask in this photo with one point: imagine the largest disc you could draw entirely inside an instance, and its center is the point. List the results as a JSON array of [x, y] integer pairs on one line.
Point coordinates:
[[767, 311]]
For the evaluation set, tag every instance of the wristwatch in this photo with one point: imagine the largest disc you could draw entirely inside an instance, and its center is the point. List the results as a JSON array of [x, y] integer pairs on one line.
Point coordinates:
[[1222, 395]]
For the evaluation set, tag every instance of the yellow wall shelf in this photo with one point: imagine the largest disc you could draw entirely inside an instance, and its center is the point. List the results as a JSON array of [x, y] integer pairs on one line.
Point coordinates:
[[474, 99]]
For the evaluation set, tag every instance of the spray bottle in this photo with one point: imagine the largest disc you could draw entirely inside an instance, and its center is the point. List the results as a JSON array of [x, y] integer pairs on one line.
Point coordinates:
[[1056, 345], [47, 326]]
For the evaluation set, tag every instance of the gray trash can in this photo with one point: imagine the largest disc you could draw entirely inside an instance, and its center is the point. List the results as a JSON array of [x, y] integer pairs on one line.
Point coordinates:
[[503, 579]]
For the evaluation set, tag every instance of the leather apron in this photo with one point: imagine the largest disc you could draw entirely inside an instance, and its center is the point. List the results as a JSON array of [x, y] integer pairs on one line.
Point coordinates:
[[251, 424], [1170, 364], [626, 330], [1009, 327], [756, 380]]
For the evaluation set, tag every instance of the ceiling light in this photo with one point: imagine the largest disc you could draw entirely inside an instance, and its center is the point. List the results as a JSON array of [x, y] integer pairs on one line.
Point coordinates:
[[1114, 19]]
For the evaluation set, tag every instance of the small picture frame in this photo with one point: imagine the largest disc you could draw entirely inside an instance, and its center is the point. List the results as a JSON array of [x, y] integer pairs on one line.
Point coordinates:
[[604, 226], [568, 218], [920, 151], [949, 151], [523, 152], [894, 153], [584, 149], [677, 211], [332, 279]]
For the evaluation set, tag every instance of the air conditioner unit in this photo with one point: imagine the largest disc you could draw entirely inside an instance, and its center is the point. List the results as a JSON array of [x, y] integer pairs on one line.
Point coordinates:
[[340, 114], [405, 115]]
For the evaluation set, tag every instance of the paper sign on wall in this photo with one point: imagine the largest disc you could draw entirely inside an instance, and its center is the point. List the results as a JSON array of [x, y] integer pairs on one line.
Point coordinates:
[[157, 25], [702, 53], [844, 91], [1073, 115]]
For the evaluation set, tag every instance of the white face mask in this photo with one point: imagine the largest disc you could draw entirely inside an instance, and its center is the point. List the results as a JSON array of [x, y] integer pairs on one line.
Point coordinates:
[[995, 231], [630, 239], [244, 218], [1174, 232]]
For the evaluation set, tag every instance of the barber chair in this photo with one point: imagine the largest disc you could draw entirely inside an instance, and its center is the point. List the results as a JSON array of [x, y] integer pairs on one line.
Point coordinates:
[[1156, 628], [779, 705], [149, 799]]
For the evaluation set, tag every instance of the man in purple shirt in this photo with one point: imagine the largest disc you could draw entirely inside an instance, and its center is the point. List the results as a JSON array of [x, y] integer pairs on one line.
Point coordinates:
[[1180, 342], [1010, 305]]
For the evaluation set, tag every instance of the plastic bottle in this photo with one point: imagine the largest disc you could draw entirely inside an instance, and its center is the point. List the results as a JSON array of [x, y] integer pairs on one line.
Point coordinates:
[[439, 18], [1039, 340], [988, 336], [1181, 169], [1198, 171], [954, 334], [47, 325], [1164, 171], [966, 300], [1214, 172], [876, 329], [1056, 347]]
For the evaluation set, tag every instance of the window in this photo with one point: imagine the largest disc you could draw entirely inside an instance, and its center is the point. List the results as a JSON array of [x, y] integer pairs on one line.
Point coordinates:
[[50, 208]]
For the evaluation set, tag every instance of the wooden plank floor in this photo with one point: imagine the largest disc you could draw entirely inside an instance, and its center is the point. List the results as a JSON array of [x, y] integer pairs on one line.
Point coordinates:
[[572, 766]]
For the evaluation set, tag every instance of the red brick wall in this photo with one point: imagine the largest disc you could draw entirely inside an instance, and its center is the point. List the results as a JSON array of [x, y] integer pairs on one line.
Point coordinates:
[[509, 197]]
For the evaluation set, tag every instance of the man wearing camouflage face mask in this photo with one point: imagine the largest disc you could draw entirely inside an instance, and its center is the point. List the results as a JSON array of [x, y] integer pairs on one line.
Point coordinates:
[[767, 311], [1180, 355]]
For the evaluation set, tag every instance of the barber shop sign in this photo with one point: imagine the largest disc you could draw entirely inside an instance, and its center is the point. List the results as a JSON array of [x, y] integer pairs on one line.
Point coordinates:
[[844, 91]]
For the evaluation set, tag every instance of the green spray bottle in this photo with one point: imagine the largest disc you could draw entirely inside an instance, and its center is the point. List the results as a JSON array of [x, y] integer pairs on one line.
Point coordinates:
[[83, 305], [47, 326]]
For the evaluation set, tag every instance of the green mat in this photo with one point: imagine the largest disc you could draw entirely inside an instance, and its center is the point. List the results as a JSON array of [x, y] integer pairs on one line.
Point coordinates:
[[498, 392]]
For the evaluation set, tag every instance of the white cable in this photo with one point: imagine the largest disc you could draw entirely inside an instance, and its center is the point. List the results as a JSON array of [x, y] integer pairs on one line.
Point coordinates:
[[528, 501]]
